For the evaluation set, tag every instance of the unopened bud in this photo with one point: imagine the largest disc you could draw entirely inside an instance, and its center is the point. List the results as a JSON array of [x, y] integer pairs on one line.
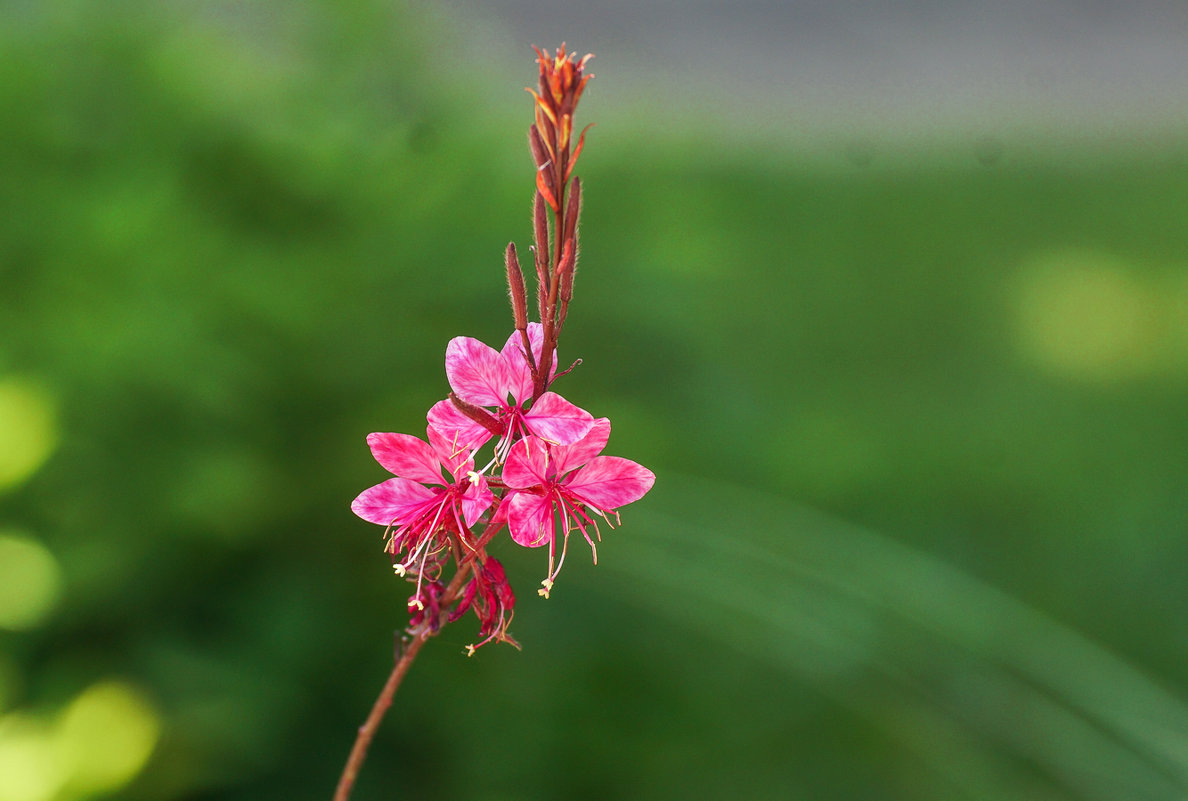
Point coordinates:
[[565, 271], [478, 415], [565, 268], [515, 287], [540, 225], [573, 209], [536, 144]]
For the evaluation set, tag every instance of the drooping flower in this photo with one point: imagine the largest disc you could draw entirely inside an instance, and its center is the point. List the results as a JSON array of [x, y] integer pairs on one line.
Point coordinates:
[[490, 595], [500, 382], [419, 507], [571, 482], [424, 607]]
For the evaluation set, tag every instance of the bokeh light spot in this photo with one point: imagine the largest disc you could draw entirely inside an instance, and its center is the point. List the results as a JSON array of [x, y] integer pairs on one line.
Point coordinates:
[[1085, 315], [29, 769], [107, 734], [30, 581], [28, 430]]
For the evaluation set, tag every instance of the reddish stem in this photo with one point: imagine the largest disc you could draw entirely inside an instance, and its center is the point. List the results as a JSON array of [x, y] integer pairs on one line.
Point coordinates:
[[367, 731]]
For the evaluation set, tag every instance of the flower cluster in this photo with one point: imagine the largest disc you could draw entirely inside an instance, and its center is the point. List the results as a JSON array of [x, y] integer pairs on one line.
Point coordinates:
[[544, 477]]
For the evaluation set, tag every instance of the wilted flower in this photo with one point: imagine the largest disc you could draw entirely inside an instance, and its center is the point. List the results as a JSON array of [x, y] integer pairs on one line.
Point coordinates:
[[490, 595]]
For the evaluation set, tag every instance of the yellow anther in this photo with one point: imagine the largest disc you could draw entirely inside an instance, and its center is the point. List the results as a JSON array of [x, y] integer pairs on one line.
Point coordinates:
[[417, 603], [470, 650], [400, 569]]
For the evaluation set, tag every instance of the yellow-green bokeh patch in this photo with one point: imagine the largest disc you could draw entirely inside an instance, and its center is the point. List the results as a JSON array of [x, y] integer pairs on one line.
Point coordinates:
[[30, 581], [28, 429], [1085, 314], [107, 735], [96, 745]]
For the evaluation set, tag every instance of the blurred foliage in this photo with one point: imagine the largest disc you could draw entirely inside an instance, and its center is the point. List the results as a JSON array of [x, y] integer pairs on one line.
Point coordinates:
[[235, 238]]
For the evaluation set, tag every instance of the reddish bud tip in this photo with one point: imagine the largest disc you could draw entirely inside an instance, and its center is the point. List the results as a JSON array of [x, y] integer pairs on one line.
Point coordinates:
[[544, 185]]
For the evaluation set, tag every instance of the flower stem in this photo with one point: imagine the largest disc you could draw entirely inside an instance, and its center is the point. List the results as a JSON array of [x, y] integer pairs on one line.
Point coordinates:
[[367, 731]]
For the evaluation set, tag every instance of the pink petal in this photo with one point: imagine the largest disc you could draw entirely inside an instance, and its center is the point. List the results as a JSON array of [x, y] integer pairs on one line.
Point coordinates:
[[520, 374], [477, 372], [567, 457], [406, 456], [391, 502], [459, 431], [530, 519], [476, 500], [609, 482], [556, 420], [458, 461], [527, 464]]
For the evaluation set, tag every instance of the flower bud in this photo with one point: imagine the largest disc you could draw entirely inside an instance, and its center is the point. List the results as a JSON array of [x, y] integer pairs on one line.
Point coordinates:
[[515, 288]]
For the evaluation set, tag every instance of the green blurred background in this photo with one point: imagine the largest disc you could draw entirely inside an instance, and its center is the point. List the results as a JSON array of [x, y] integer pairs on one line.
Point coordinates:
[[917, 416]]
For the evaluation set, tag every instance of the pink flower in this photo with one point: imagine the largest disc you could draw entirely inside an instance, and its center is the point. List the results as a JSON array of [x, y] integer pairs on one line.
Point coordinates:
[[573, 481], [484, 377], [419, 507]]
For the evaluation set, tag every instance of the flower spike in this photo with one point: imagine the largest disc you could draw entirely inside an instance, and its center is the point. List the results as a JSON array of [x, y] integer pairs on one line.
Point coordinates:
[[544, 477]]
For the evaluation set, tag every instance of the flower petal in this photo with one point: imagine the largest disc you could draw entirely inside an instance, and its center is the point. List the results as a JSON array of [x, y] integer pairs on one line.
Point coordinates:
[[459, 461], [391, 502], [609, 482], [530, 519], [567, 457], [406, 456], [476, 500], [477, 372], [519, 373], [556, 420], [527, 464], [460, 432]]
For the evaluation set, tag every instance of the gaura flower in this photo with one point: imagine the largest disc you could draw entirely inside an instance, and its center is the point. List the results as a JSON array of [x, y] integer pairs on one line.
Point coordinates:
[[419, 507], [571, 482], [501, 382]]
